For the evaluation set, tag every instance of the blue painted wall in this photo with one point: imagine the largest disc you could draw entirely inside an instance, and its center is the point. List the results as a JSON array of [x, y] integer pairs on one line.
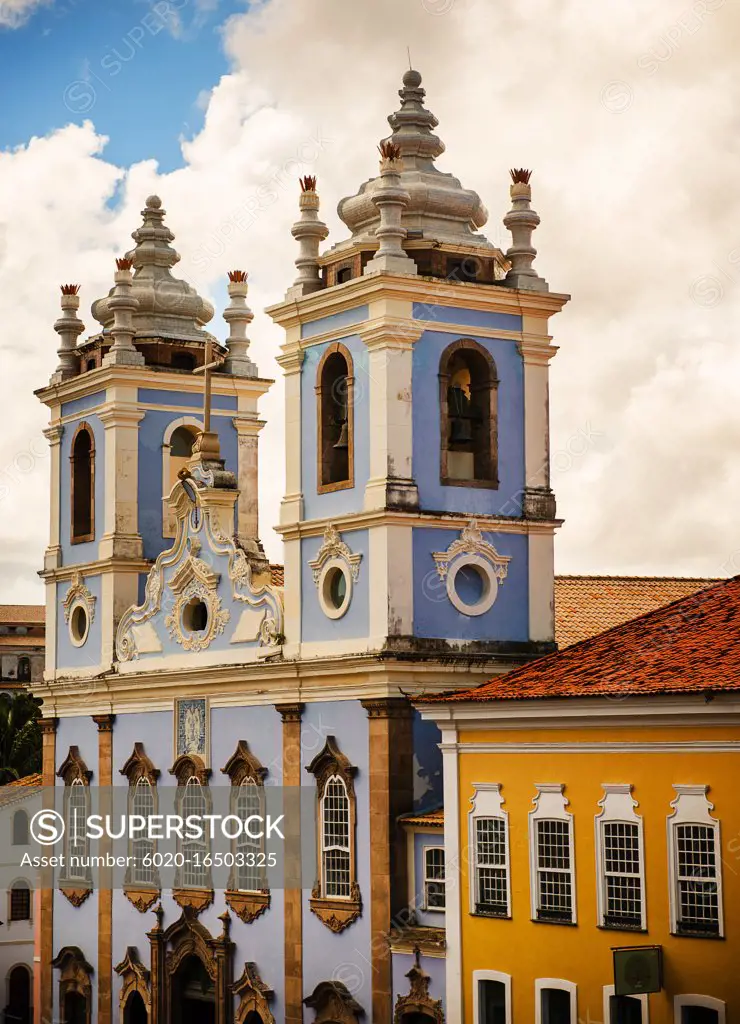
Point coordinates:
[[90, 654], [427, 765], [468, 317], [434, 614], [334, 503], [348, 955], [347, 318], [356, 620], [426, 428], [73, 554], [151, 438]]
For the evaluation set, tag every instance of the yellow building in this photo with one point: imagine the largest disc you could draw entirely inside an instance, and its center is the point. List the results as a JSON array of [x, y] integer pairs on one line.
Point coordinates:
[[591, 804]]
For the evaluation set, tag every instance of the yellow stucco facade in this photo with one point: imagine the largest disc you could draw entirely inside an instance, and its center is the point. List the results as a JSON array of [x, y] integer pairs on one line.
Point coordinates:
[[583, 758]]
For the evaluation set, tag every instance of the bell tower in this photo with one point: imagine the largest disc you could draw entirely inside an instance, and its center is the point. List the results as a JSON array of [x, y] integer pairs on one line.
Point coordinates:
[[418, 516], [126, 406]]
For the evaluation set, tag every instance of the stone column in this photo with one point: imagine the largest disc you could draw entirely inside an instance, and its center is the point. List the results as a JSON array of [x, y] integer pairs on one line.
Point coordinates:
[[44, 1004], [68, 327], [105, 892], [293, 894], [156, 954], [390, 779]]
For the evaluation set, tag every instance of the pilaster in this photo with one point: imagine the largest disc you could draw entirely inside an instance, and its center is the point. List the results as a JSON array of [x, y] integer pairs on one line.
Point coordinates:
[[248, 428], [291, 510], [390, 341], [121, 418], [536, 351], [105, 893], [53, 434], [390, 778], [293, 893], [453, 873], [45, 1004]]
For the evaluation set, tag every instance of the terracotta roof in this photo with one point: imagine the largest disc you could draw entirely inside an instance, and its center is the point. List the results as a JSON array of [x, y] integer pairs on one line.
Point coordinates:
[[22, 614], [20, 789], [277, 574], [13, 640], [430, 819], [588, 605], [690, 646], [28, 780]]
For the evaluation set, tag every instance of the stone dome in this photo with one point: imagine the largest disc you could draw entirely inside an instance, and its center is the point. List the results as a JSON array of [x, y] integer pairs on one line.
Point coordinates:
[[167, 306], [440, 209]]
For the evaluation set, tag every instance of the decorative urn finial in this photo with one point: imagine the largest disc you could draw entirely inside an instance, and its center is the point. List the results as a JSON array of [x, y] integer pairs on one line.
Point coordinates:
[[238, 316], [391, 199], [123, 305], [69, 327], [309, 232], [522, 221]]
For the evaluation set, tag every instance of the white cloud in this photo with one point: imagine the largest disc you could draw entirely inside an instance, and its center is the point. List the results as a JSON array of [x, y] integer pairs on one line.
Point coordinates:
[[14, 13], [628, 118]]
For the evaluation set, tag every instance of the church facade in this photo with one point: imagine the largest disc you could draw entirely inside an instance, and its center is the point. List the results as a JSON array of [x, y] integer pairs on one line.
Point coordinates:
[[417, 526]]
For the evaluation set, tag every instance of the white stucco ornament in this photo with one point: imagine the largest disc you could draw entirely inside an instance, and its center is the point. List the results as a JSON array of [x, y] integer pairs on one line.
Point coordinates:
[[79, 609], [480, 562], [335, 569]]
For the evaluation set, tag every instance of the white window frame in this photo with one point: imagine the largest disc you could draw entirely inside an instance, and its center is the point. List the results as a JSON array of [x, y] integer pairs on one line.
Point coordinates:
[[609, 992], [141, 875], [335, 777], [618, 808], [426, 879], [80, 847], [505, 979], [563, 986], [706, 1002], [169, 521], [487, 802], [248, 791], [194, 790], [550, 805], [692, 807]]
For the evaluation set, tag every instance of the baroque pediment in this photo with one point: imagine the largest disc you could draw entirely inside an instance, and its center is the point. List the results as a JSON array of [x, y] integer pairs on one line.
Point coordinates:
[[201, 596]]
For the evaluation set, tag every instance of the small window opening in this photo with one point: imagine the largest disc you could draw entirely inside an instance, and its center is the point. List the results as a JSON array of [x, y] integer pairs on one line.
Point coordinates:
[[82, 485]]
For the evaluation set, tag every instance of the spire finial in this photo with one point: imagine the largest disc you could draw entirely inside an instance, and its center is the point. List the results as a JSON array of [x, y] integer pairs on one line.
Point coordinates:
[[69, 327], [309, 232], [522, 221], [123, 305], [238, 316]]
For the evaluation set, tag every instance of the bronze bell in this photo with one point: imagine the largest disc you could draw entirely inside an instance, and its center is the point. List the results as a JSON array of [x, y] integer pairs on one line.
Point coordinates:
[[461, 430], [343, 441]]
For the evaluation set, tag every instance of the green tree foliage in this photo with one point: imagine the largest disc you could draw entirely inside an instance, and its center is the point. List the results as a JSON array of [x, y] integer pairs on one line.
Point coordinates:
[[20, 736]]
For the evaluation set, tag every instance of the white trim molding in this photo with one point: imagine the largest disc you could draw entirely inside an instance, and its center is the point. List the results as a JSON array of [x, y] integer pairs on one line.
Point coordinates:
[[643, 1000], [478, 977], [334, 556], [487, 803], [692, 807], [550, 805], [169, 519], [706, 1002], [543, 985], [618, 809]]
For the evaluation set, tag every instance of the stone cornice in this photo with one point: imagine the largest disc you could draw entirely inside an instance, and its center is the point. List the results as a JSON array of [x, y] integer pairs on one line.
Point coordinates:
[[99, 568], [363, 290], [538, 352], [390, 332], [145, 377], [384, 517]]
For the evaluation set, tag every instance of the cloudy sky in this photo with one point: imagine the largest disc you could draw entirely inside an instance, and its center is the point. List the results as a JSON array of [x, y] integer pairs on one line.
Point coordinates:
[[628, 113]]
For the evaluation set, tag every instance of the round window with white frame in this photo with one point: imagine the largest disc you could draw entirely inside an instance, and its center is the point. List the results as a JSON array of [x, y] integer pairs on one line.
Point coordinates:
[[79, 624], [335, 588], [472, 585]]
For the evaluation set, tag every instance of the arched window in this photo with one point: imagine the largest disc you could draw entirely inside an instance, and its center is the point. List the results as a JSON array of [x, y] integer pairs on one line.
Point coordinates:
[[193, 881], [135, 1010], [141, 884], [76, 880], [247, 892], [20, 828], [20, 901], [24, 670], [468, 405], [336, 897], [177, 451], [75, 988], [335, 416], [83, 485]]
